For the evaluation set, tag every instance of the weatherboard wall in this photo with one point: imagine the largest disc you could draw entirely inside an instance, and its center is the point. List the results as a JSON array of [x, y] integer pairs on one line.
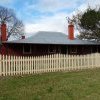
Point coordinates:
[[41, 49]]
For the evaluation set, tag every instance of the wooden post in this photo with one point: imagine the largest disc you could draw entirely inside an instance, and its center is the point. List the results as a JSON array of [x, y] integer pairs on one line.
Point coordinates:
[[14, 69], [6, 65], [9, 65], [3, 66], [0, 65]]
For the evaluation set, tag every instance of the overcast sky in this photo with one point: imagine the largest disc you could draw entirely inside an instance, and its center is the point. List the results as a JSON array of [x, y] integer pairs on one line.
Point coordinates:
[[46, 15]]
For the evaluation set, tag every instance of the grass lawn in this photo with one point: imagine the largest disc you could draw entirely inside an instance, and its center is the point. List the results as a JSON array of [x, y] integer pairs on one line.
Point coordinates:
[[83, 85]]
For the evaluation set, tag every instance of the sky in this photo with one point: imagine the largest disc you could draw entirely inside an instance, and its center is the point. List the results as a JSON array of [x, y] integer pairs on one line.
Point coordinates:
[[47, 15]]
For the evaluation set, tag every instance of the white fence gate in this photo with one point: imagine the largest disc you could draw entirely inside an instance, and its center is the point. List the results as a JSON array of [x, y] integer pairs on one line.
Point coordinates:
[[18, 65]]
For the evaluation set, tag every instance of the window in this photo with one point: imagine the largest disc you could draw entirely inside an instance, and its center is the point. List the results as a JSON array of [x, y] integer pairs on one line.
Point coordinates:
[[73, 50], [63, 49], [26, 49], [51, 49]]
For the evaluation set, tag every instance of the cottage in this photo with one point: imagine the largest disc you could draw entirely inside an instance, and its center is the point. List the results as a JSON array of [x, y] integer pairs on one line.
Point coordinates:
[[46, 43]]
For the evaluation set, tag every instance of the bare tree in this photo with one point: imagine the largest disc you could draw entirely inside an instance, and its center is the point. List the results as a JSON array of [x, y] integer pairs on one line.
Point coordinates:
[[15, 26]]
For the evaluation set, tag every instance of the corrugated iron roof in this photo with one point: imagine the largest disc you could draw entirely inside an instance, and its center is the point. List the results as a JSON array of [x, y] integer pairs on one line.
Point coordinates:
[[44, 37]]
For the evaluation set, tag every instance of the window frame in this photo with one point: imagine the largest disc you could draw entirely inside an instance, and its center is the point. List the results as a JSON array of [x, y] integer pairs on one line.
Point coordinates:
[[73, 50], [54, 51], [30, 51]]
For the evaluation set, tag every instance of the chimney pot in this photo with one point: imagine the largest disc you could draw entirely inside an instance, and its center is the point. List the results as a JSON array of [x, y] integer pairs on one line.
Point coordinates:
[[23, 37]]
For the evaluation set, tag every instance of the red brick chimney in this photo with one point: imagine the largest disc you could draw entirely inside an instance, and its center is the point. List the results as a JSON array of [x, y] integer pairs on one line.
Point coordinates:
[[3, 38], [71, 31], [3, 32]]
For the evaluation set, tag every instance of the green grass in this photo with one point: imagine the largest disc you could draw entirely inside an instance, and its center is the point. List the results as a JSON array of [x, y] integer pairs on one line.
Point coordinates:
[[83, 85]]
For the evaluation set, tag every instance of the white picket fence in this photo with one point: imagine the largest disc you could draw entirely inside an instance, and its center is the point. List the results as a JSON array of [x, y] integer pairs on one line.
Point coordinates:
[[18, 65]]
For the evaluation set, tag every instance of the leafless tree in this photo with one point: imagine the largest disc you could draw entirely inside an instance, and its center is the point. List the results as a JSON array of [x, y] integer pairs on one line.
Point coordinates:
[[15, 26]]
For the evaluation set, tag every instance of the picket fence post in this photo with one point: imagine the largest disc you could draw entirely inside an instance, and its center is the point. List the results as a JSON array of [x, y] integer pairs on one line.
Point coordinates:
[[0, 65], [18, 65]]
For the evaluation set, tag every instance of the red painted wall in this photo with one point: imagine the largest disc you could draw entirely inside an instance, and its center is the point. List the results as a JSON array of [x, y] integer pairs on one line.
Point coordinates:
[[39, 50]]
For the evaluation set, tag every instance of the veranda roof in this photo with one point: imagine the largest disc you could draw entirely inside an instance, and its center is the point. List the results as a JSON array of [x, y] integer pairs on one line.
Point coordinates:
[[58, 38]]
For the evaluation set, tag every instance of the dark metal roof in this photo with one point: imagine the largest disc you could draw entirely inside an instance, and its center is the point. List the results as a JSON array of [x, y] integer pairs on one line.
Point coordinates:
[[44, 37]]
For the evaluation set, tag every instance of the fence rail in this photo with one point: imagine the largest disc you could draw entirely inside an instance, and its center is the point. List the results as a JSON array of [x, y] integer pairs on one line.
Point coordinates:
[[18, 65]]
